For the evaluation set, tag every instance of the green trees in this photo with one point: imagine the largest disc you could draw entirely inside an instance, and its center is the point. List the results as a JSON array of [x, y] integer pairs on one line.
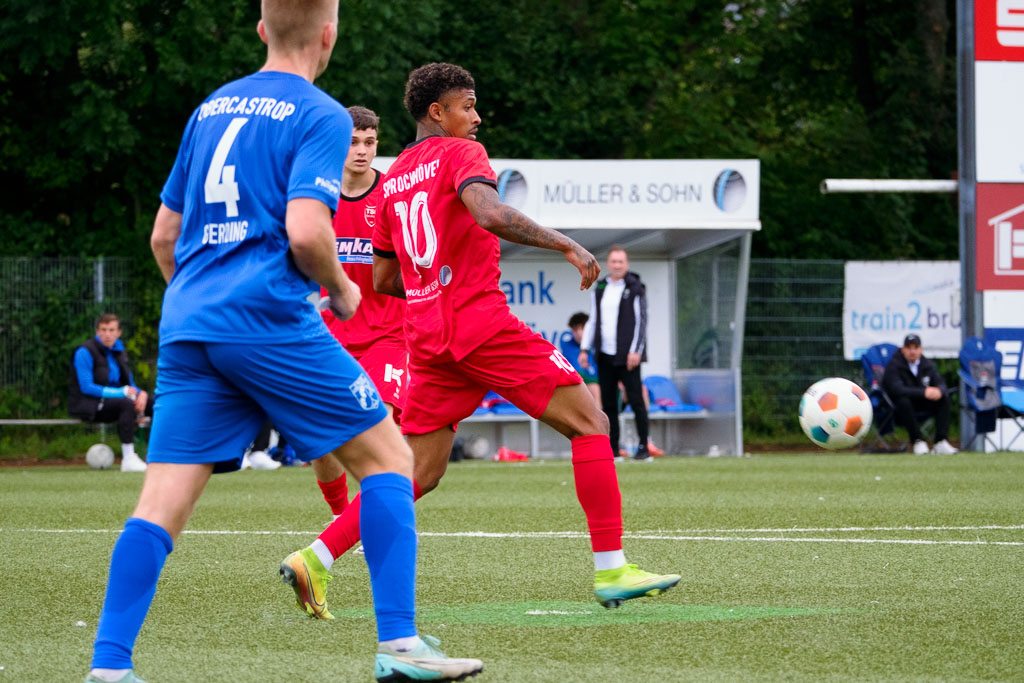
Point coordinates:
[[95, 94]]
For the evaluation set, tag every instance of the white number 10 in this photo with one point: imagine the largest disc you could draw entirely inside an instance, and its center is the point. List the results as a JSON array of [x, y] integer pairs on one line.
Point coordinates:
[[220, 179], [413, 220]]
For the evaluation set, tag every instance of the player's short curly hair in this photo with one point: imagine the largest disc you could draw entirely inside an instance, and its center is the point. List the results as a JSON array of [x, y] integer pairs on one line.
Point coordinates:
[[430, 82]]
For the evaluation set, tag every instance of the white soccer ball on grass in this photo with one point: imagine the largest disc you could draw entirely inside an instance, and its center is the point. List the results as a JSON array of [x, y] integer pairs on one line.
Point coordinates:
[[99, 456], [835, 413]]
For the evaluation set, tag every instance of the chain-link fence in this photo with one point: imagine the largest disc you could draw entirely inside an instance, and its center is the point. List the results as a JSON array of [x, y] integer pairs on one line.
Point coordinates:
[[48, 306], [793, 337]]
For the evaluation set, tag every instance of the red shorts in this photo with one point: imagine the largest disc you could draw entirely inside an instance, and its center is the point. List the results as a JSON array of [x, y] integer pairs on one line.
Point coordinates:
[[517, 363], [387, 365]]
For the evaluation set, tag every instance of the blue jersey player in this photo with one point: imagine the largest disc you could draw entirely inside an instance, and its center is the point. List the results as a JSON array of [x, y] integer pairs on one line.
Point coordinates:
[[243, 235]]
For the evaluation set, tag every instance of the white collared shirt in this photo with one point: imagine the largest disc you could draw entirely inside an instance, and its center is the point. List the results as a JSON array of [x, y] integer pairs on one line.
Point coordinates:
[[914, 366], [610, 301]]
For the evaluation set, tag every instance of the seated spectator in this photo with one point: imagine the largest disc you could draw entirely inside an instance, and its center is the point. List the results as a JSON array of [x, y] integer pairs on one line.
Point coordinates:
[[914, 386], [571, 351], [101, 388]]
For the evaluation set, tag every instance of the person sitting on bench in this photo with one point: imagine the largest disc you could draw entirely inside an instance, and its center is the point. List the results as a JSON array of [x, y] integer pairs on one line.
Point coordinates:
[[101, 388]]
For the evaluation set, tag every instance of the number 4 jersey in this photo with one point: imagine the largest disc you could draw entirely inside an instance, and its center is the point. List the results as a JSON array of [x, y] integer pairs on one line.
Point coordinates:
[[449, 263], [250, 148]]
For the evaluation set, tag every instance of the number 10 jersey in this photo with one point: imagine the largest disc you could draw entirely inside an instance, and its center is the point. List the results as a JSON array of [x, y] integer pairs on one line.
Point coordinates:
[[450, 265]]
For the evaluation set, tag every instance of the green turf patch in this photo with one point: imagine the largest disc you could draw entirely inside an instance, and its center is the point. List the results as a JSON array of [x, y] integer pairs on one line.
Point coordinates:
[[559, 613]]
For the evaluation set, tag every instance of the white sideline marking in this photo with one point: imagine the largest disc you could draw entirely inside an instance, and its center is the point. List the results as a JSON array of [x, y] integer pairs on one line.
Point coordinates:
[[656, 536], [836, 529]]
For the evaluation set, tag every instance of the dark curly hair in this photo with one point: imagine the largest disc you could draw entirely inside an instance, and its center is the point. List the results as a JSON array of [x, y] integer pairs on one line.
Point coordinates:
[[430, 82], [578, 319]]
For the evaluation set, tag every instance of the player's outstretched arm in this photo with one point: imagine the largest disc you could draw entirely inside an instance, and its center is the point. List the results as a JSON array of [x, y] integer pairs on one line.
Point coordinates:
[[510, 224], [166, 231], [312, 242], [387, 276]]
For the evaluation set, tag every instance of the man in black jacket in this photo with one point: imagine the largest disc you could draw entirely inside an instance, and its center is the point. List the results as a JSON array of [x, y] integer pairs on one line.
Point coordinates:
[[101, 388], [617, 332], [914, 386]]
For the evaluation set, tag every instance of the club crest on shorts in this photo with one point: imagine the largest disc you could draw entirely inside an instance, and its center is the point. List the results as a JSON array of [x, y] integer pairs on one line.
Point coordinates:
[[365, 392]]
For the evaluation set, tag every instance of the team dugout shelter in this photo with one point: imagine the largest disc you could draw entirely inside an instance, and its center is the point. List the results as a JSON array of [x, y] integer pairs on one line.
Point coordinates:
[[687, 227]]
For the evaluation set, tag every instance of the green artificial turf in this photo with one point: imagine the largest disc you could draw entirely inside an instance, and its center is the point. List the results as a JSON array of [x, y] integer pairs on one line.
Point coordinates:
[[797, 568]]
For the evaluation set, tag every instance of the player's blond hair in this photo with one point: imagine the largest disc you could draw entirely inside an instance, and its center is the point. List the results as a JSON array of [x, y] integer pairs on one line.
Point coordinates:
[[294, 24]]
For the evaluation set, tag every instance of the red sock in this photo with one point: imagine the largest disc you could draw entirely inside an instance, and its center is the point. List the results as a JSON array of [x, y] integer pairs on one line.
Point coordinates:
[[335, 493], [597, 488], [343, 533]]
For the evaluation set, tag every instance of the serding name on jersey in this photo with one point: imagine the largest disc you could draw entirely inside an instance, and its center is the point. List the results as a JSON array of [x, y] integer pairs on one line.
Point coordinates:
[[223, 233], [405, 181]]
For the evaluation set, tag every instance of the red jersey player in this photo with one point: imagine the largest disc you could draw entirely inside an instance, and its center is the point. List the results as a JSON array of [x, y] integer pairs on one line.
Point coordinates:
[[374, 334], [436, 245]]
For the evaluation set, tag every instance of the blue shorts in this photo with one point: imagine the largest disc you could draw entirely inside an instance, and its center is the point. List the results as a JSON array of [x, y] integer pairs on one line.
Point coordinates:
[[213, 397]]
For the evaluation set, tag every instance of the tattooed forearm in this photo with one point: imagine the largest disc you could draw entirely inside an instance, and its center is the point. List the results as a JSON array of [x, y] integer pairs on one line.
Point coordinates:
[[507, 223], [521, 229]]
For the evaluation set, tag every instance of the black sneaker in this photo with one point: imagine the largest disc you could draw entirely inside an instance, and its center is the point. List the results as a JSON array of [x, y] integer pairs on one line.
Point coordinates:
[[642, 454]]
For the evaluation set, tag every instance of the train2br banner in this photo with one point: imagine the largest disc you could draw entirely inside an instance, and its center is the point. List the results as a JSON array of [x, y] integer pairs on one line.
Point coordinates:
[[884, 301]]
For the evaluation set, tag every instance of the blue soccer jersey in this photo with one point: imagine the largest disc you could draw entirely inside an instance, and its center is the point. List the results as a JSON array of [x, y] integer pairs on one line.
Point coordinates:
[[252, 146]]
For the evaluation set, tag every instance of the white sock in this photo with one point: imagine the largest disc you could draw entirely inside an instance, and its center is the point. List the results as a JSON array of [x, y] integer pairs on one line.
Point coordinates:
[[109, 674], [322, 553], [609, 559], [402, 644], [128, 451]]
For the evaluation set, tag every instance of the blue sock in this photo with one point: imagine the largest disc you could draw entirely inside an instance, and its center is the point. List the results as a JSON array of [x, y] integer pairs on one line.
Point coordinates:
[[387, 524], [135, 566]]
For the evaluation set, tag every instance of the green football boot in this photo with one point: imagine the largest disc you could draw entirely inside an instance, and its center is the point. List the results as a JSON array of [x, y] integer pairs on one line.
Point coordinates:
[[614, 586], [303, 571], [424, 663]]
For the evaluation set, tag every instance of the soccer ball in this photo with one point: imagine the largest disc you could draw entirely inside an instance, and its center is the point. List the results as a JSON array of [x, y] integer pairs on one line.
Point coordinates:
[[835, 413], [99, 456]]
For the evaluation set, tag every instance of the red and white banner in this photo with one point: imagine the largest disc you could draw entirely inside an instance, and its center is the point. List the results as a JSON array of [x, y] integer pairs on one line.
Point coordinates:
[[1000, 236], [999, 30]]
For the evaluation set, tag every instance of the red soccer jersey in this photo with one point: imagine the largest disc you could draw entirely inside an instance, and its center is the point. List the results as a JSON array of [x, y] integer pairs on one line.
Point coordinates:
[[449, 263], [379, 316]]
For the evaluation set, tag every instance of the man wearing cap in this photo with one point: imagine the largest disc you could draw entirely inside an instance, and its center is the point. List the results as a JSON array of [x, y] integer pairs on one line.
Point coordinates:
[[915, 387]]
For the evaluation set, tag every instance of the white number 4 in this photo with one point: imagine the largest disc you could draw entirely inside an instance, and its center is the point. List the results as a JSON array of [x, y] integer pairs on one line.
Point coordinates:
[[220, 179]]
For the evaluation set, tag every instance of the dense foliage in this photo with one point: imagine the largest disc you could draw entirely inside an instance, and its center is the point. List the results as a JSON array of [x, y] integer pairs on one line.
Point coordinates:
[[94, 95]]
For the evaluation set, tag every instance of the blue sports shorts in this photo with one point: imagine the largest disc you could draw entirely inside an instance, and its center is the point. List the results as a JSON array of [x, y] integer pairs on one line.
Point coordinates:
[[213, 397]]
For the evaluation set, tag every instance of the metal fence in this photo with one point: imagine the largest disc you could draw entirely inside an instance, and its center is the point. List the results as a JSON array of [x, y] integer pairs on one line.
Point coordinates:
[[48, 306], [793, 337]]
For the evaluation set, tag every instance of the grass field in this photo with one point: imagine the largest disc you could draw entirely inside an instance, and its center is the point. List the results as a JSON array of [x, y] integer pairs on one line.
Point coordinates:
[[797, 568]]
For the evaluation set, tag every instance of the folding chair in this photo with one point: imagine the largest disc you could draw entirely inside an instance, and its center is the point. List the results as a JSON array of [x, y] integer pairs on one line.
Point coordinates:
[[883, 420], [980, 368]]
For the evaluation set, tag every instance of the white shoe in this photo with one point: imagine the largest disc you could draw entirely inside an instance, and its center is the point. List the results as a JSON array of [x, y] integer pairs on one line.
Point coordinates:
[[944, 448], [920, 447], [261, 460], [133, 463]]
